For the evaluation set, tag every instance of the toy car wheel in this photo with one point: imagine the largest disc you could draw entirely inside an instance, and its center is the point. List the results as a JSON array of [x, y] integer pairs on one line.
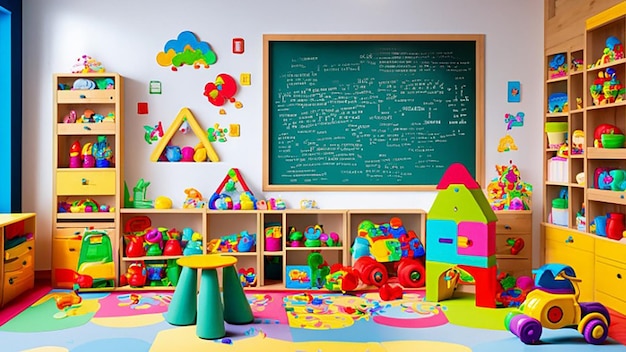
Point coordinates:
[[526, 328], [364, 266], [378, 275], [595, 332], [411, 274]]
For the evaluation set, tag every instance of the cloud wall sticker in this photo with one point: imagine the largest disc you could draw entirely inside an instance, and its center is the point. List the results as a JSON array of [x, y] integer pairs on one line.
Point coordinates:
[[186, 49]]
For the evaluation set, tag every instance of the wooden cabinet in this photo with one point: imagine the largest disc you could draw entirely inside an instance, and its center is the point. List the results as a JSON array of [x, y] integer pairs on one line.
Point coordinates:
[[17, 268], [87, 177], [514, 242], [610, 273]]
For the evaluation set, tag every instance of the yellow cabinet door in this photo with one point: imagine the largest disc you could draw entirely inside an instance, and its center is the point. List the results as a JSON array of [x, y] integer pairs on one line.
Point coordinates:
[[580, 260]]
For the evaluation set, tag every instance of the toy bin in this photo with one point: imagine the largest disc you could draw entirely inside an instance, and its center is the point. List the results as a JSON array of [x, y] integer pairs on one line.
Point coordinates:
[[273, 238], [556, 131], [560, 214]]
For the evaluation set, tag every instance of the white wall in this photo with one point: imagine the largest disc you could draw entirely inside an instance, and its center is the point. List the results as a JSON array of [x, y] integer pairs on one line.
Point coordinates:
[[126, 36]]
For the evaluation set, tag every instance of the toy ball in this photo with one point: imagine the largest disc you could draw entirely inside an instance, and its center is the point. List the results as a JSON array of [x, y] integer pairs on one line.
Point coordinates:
[[525, 283], [163, 202]]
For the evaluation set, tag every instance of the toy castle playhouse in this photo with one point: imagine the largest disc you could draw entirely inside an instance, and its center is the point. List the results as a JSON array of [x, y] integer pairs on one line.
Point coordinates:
[[460, 234]]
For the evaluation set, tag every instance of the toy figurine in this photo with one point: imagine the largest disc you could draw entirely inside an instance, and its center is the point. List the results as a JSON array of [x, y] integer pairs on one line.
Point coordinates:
[[75, 155], [102, 152], [87, 155]]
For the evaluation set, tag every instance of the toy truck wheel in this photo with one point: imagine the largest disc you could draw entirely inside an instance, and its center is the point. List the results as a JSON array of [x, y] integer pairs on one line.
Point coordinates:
[[595, 332], [526, 328], [362, 266], [411, 274], [371, 272]]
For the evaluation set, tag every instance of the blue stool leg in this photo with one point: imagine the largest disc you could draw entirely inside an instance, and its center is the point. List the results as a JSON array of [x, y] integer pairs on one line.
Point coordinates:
[[182, 308], [236, 307], [210, 324]]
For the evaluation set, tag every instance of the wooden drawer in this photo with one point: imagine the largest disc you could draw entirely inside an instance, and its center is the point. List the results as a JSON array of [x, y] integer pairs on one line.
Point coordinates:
[[570, 238], [611, 249], [611, 283], [87, 96], [514, 222], [503, 249], [17, 282], [23, 262], [108, 128], [86, 182], [19, 250]]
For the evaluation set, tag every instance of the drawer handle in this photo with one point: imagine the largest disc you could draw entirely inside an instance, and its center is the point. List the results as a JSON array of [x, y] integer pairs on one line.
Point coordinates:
[[619, 276], [507, 227], [569, 239], [87, 128], [84, 182], [82, 96]]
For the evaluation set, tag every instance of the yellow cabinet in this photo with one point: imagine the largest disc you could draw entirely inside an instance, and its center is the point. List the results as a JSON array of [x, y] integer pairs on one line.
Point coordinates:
[[565, 246], [610, 273]]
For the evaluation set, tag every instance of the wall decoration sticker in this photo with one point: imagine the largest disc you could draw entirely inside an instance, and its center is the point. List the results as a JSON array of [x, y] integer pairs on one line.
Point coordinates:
[[238, 46], [153, 133], [507, 143], [222, 90], [155, 87], [244, 78], [186, 50], [514, 120], [514, 92]]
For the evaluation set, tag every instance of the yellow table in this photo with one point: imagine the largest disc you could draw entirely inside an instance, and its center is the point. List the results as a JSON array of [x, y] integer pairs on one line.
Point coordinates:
[[205, 309]]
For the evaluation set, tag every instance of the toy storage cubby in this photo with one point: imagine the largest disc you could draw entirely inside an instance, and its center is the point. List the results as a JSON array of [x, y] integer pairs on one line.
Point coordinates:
[[596, 257], [272, 249], [237, 233], [151, 240], [87, 172], [411, 219], [17, 267], [313, 225]]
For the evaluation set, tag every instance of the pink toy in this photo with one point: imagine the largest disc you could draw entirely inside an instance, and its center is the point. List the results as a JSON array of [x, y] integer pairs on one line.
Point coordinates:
[[187, 153]]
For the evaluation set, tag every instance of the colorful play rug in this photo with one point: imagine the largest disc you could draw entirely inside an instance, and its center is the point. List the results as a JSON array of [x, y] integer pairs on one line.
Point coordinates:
[[315, 322]]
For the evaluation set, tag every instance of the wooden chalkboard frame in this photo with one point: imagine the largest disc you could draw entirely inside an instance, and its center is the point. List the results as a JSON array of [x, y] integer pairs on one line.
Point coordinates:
[[478, 39]]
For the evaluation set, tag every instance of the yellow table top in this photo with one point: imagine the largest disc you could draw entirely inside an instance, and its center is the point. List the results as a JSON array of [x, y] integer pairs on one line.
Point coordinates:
[[11, 218], [207, 261]]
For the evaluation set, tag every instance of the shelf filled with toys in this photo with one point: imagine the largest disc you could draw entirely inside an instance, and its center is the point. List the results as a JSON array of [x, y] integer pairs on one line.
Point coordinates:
[[276, 247], [605, 110], [88, 111]]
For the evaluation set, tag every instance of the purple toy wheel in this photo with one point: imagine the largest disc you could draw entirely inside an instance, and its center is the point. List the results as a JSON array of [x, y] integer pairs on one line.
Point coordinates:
[[595, 332], [526, 328]]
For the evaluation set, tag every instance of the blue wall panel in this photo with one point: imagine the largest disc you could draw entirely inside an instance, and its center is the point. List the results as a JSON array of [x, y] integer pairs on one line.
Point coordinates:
[[10, 106]]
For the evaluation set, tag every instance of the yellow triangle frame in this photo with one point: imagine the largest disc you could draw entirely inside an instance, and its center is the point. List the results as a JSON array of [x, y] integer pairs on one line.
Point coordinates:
[[184, 114]]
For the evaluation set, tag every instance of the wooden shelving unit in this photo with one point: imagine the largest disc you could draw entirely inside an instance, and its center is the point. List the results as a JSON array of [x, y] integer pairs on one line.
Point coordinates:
[[76, 180], [599, 261]]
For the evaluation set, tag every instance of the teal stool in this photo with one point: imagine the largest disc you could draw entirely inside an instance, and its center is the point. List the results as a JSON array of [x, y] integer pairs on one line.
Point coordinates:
[[182, 308], [211, 313]]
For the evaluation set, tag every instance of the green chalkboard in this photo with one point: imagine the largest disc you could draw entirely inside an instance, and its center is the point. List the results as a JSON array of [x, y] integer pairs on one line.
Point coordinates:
[[351, 112]]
